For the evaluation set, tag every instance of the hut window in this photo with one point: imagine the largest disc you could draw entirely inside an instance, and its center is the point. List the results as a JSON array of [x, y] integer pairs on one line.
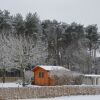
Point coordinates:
[[41, 74]]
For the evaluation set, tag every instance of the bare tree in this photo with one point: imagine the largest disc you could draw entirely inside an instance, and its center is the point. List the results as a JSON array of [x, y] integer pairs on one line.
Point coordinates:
[[5, 57], [21, 54]]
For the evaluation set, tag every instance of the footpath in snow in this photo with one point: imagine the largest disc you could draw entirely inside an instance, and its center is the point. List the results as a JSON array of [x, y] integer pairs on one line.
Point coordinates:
[[14, 85], [93, 97]]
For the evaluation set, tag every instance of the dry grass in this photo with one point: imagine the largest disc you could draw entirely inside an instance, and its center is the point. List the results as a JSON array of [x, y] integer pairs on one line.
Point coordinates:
[[1, 98], [47, 91]]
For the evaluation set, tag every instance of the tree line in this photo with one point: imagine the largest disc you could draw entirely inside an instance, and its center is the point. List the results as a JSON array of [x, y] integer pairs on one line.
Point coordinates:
[[29, 41]]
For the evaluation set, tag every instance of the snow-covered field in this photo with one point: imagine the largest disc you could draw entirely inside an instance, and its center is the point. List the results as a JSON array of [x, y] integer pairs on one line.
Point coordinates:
[[7, 85], [4, 85], [93, 97]]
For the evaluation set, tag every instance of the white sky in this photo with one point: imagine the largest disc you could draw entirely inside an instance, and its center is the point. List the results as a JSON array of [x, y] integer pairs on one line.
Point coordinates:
[[81, 11]]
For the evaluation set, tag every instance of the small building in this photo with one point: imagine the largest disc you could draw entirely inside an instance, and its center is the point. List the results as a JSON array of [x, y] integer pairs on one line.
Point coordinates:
[[91, 79], [43, 75]]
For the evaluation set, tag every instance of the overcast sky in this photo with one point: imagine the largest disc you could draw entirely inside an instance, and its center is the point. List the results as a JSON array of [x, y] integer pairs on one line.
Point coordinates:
[[81, 11]]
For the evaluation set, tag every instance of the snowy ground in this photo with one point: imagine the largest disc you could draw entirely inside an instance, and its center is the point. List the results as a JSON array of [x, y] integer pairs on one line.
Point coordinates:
[[95, 97], [16, 84], [10, 85], [7, 85]]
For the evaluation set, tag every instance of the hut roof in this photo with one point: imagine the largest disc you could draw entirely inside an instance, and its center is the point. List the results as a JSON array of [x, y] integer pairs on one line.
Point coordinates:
[[49, 68]]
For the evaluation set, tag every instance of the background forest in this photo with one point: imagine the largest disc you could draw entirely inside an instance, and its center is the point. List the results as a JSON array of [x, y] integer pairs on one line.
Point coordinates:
[[28, 41]]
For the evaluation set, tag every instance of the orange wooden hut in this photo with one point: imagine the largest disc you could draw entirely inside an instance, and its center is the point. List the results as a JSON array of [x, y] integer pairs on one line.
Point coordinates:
[[43, 76]]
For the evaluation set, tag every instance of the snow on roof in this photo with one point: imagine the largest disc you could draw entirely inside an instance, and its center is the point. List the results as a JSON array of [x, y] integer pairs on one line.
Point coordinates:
[[92, 75], [53, 67]]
